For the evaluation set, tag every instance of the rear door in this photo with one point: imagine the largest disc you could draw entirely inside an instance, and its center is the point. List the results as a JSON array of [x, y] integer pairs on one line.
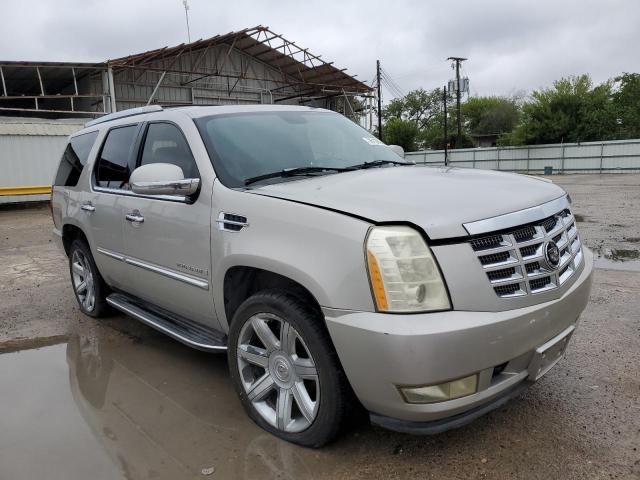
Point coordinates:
[[102, 206], [169, 248]]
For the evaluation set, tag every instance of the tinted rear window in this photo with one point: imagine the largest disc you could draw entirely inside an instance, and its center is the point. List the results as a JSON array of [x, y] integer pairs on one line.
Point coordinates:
[[116, 160], [74, 159]]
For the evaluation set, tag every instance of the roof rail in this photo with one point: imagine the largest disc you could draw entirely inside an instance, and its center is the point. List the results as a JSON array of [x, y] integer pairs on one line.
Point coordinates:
[[124, 113]]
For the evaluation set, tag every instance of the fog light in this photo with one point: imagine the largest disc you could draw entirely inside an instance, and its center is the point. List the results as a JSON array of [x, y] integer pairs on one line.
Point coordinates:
[[441, 392]]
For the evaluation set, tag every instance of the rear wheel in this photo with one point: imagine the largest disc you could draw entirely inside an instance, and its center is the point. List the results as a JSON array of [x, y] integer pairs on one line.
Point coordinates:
[[286, 371], [88, 285]]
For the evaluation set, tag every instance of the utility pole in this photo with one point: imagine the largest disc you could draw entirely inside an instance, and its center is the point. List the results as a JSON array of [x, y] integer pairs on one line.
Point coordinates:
[[379, 100], [186, 14], [446, 133], [458, 61]]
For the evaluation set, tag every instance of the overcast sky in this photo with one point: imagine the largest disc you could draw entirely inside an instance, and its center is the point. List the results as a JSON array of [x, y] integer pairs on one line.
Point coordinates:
[[513, 45]]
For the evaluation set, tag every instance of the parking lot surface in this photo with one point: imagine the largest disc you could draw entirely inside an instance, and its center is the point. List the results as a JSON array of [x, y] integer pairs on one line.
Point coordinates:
[[106, 399]]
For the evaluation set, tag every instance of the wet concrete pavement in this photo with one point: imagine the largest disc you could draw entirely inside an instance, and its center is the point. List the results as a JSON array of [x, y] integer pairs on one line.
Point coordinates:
[[87, 399]]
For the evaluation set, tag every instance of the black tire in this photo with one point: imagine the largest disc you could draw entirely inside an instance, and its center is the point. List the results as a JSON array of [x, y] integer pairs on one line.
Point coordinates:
[[99, 308], [336, 398]]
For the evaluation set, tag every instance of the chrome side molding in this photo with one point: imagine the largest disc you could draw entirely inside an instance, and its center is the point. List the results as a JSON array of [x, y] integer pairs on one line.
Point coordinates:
[[181, 277], [130, 193], [110, 254]]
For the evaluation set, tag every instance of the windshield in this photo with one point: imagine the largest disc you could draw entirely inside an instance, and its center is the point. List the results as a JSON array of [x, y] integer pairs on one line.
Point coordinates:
[[246, 145]]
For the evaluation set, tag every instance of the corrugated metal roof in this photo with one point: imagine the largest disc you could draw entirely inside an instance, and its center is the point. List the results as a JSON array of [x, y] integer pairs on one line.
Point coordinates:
[[297, 65], [50, 128]]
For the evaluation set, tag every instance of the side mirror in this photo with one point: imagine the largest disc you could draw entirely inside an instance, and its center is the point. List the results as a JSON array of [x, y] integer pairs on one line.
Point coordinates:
[[162, 179], [398, 150]]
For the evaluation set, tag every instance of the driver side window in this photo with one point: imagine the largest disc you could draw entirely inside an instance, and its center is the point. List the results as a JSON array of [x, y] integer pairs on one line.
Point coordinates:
[[165, 143]]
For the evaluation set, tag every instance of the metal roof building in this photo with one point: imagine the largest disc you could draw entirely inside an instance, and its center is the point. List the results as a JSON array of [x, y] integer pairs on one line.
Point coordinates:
[[250, 66], [254, 65]]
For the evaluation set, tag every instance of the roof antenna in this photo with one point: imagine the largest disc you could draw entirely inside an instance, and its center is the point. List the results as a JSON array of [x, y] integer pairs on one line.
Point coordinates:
[[186, 14]]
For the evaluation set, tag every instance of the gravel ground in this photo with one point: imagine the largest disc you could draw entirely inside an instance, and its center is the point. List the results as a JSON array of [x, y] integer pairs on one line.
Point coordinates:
[[114, 399]]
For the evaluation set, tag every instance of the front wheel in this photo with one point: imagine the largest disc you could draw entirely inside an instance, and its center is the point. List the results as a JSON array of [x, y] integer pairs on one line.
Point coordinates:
[[286, 371]]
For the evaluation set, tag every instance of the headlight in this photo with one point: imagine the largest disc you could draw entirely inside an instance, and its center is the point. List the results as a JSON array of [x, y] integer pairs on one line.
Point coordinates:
[[403, 274]]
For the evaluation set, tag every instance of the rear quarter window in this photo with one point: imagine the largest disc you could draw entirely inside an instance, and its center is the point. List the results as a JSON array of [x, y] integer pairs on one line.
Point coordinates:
[[74, 159]]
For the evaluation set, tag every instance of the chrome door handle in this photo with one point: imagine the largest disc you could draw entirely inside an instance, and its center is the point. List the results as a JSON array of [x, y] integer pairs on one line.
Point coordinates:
[[134, 216], [88, 207]]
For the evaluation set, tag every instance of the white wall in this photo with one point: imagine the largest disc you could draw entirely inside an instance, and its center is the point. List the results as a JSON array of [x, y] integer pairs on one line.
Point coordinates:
[[29, 153], [619, 156]]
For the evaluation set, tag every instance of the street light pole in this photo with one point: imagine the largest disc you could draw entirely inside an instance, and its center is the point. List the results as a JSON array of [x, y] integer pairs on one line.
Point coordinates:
[[186, 14], [458, 61], [446, 134], [378, 75]]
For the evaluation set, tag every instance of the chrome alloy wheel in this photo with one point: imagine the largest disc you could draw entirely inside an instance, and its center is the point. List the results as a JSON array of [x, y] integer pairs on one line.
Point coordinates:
[[278, 373], [82, 280]]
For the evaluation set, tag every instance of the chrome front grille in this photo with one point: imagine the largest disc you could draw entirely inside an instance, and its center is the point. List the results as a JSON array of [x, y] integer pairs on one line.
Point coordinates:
[[516, 263]]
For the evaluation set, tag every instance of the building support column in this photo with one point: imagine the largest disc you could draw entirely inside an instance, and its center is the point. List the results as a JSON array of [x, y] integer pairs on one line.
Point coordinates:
[[112, 90], [155, 89], [4, 85]]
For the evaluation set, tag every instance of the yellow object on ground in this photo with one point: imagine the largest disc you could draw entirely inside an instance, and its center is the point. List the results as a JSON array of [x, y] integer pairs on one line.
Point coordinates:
[[28, 190]]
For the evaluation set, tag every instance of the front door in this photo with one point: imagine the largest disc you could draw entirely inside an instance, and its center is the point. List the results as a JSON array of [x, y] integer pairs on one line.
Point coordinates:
[[167, 240]]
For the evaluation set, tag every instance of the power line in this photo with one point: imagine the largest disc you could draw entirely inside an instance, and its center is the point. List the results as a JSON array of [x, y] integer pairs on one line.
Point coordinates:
[[391, 81], [392, 84], [392, 88], [383, 78], [394, 91]]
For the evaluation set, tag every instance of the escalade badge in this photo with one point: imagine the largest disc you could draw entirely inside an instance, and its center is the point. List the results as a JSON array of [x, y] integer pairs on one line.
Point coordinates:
[[192, 268], [552, 255]]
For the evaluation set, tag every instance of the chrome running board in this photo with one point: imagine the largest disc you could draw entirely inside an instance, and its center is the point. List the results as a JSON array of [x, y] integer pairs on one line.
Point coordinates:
[[190, 333]]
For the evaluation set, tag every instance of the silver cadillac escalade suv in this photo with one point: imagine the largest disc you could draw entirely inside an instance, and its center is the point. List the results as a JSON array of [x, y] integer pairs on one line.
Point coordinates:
[[334, 274]]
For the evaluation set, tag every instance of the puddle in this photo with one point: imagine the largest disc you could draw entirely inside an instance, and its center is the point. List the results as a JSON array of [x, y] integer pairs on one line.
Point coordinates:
[[618, 259], [100, 408], [29, 343]]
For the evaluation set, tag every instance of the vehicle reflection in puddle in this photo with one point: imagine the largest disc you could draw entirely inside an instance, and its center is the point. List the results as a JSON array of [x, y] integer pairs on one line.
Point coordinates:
[[121, 408]]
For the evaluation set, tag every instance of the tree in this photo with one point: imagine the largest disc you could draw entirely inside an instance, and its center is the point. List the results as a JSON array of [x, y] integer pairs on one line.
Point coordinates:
[[418, 106], [626, 103], [422, 109], [490, 115], [425, 111], [570, 111], [401, 132]]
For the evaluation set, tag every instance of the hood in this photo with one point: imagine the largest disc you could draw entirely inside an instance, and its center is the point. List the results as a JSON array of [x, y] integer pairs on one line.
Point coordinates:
[[438, 199]]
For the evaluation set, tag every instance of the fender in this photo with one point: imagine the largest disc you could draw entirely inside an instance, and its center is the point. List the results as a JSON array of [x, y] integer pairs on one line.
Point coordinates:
[[321, 250]]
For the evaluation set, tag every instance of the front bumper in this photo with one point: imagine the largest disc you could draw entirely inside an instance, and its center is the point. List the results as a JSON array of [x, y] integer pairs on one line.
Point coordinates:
[[381, 352]]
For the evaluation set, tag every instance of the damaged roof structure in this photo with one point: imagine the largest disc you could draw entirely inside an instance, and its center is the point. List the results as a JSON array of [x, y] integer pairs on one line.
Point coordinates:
[[250, 66]]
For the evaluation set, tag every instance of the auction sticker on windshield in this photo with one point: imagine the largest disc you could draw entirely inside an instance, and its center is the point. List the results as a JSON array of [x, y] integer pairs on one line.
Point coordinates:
[[372, 141]]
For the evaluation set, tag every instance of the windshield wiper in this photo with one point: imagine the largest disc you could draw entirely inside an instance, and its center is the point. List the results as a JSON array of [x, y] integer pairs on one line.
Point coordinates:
[[290, 172], [379, 163]]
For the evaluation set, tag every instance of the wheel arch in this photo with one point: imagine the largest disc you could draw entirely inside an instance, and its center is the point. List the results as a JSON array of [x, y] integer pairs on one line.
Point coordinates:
[[242, 281], [71, 232]]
